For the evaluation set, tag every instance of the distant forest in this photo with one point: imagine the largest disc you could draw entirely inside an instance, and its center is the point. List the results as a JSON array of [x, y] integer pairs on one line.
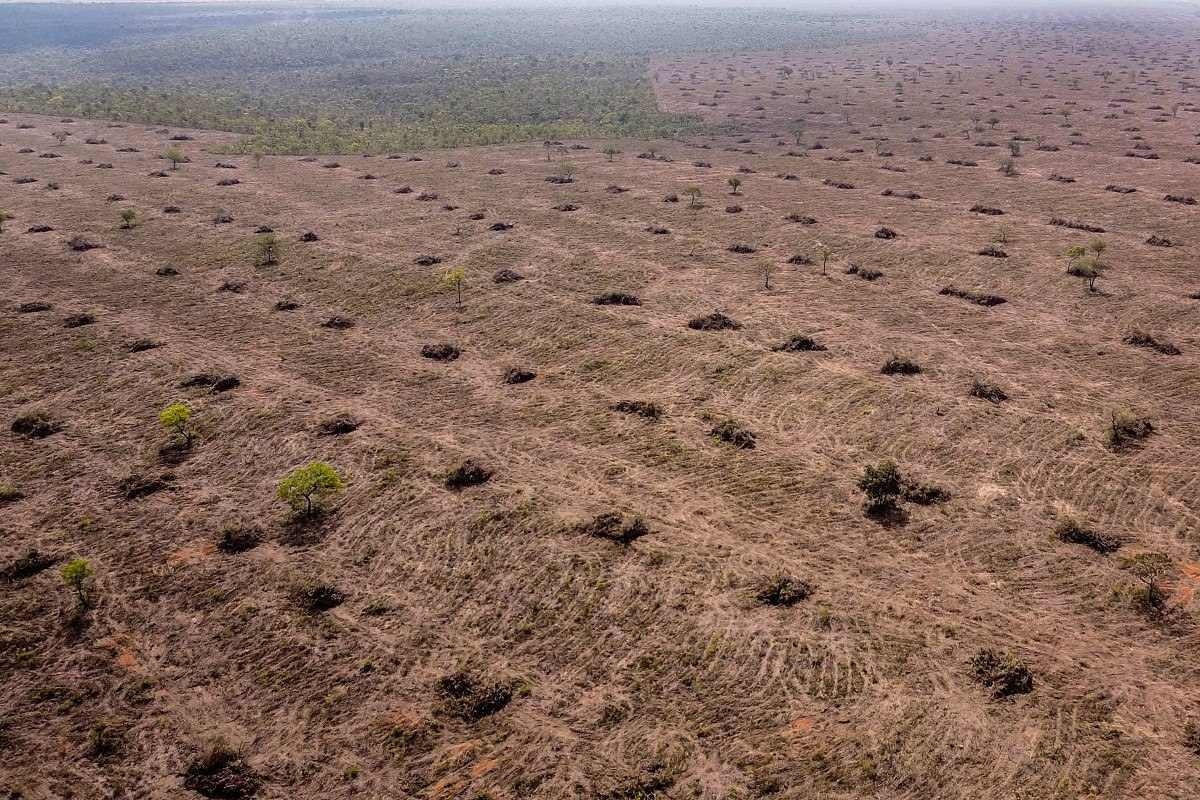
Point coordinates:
[[358, 79]]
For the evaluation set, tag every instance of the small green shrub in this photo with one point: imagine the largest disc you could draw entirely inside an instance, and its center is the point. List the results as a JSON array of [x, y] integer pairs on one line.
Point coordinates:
[[177, 418], [77, 575]]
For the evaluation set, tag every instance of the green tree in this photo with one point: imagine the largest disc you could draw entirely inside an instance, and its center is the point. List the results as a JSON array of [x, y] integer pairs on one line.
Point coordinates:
[[1097, 246], [454, 278], [77, 574], [693, 192], [177, 418], [305, 488], [4, 217], [734, 184], [175, 156], [128, 218], [610, 152], [266, 248]]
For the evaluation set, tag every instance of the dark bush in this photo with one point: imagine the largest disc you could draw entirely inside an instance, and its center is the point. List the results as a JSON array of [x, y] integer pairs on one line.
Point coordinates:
[[440, 352], [781, 590], [506, 276], [616, 299], [142, 345], [338, 323], [467, 474], [471, 698], [1073, 531], [801, 219], [221, 774], [886, 233], [988, 210], [641, 408], [1139, 338], [993, 252], [340, 425], [34, 307], [1002, 673], [716, 321], [799, 344], [987, 391], [515, 375], [318, 597], [1125, 429], [81, 244], [614, 527], [238, 539], [1078, 226], [26, 566], [731, 432], [923, 494], [895, 365], [973, 297], [36, 425], [136, 485]]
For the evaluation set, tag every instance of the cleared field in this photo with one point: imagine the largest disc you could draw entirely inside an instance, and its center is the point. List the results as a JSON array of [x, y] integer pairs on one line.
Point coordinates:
[[663, 666]]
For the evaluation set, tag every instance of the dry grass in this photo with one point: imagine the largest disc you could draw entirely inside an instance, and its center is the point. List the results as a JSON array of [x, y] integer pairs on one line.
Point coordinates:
[[638, 670]]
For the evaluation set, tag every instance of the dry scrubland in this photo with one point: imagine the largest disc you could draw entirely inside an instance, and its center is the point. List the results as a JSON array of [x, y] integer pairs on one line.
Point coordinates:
[[423, 641]]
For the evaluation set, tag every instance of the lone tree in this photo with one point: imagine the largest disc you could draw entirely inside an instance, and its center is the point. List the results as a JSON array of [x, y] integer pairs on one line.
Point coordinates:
[[4, 217], [768, 269], [266, 248], [825, 252], [734, 184], [128, 218], [454, 279], [177, 418], [1088, 267], [175, 156], [693, 192], [77, 574], [306, 488], [60, 137], [610, 152]]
